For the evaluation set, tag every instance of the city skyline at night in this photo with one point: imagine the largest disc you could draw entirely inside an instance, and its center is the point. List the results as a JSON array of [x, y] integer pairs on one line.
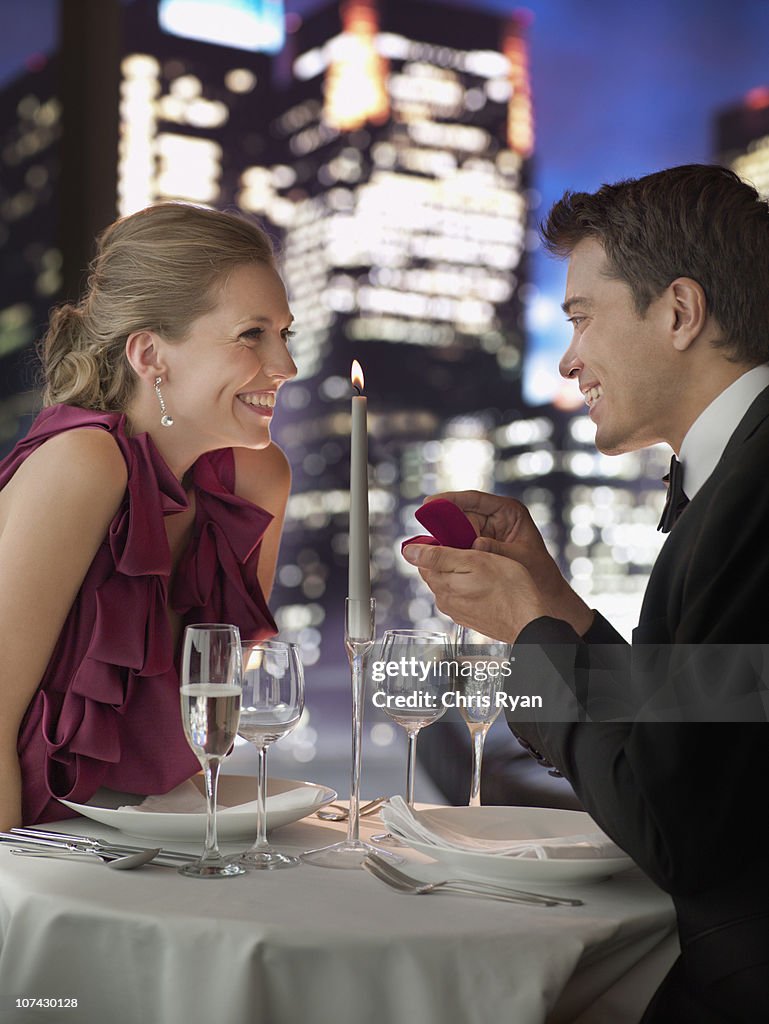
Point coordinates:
[[619, 90], [405, 205], [228, 127], [402, 228]]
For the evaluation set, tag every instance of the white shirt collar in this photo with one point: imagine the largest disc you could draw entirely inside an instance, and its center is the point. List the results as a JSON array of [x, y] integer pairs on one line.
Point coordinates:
[[709, 435]]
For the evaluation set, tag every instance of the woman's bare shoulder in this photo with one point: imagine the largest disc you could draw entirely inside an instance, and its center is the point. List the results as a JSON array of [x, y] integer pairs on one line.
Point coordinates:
[[262, 475], [77, 468]]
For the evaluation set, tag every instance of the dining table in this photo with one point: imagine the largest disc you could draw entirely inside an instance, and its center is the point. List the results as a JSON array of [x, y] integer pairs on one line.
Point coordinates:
[[313, 945]]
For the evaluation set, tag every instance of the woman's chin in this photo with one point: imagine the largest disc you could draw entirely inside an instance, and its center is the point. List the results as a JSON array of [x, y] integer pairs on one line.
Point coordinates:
[[256, 442]]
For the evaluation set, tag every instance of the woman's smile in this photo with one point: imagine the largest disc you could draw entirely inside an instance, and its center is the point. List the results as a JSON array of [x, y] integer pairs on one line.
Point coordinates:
[[260, 402]]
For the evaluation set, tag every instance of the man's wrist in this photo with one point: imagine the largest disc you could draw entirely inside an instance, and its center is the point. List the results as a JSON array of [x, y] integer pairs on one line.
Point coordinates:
[[533, 612], [572, 609], [583, 620]]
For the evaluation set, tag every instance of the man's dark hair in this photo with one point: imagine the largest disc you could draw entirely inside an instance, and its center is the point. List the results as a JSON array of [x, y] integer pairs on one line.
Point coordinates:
[[697, 221]]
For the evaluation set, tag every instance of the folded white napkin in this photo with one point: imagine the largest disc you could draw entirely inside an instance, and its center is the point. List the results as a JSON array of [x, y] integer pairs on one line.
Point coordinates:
[[412, 827], [187, 799]]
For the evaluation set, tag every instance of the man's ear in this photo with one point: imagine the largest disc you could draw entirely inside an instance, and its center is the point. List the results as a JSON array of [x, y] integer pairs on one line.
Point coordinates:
[[145, 356], [690, 311]]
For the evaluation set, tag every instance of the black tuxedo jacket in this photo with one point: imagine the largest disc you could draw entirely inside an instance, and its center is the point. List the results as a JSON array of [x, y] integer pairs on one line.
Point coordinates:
[[690, 802]]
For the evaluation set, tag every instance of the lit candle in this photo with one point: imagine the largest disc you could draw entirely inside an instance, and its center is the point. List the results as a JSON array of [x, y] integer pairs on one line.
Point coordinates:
[[359, 578]]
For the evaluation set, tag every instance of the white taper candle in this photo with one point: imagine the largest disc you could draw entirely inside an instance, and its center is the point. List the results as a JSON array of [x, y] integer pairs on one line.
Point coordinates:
[[359, 572]]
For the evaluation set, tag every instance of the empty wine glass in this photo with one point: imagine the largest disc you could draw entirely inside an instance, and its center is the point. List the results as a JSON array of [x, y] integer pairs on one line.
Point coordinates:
[[417, 675], [273, 701], [477, 683], [210, 697]]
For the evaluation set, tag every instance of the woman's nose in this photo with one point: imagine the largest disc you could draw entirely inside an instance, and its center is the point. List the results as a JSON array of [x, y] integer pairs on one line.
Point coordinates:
[[280, 365]]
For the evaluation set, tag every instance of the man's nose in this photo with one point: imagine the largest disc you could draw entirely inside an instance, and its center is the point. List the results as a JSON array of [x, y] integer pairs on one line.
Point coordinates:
[[570, 363]]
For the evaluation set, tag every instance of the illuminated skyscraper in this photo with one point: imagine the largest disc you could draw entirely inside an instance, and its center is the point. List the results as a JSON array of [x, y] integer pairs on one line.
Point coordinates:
[[400, 184], [194, 98], [405, 194], [30, 257]]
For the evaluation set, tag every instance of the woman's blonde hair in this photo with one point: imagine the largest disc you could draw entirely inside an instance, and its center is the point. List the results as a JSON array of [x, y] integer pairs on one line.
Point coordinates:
[[157, 270]]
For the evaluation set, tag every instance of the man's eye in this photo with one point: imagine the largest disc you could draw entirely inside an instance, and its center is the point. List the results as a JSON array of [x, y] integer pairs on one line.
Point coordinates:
[[574, 320]]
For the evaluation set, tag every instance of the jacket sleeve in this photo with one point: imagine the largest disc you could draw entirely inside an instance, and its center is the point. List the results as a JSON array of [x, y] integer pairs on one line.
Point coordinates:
[[635, 778], [683, 794]]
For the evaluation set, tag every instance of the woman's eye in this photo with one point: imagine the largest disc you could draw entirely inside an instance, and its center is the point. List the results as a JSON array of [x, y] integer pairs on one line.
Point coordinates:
[[255, 333]]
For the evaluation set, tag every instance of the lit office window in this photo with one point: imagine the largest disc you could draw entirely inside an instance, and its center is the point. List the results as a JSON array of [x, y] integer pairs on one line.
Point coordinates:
[[242, 24]]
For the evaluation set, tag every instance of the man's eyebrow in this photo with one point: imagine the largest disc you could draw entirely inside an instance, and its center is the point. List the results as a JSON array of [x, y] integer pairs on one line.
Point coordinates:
[[575, 300]]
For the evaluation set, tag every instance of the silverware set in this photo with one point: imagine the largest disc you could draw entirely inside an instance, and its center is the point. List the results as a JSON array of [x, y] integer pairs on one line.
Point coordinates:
[[31, 842], [125, 863], [397, 879]]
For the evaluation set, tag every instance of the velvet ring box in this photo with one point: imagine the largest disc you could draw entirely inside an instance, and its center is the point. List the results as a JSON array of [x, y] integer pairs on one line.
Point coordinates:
[[448, 525]]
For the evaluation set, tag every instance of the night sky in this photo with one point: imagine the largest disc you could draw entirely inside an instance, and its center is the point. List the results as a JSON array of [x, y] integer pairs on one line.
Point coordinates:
[[620, 89]]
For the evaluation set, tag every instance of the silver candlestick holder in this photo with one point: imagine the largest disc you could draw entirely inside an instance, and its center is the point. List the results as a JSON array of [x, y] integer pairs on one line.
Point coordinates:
[[359, 624]]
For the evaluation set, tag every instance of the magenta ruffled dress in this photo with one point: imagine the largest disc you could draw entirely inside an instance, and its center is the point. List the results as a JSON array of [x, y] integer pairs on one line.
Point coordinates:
[[107, 711]]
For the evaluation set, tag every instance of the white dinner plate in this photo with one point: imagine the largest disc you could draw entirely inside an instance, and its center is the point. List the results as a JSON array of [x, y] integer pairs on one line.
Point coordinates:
[[236, 814], [512, 823]]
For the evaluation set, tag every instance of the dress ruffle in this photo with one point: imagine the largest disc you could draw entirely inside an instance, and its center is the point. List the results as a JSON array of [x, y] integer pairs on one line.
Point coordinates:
[[107, 710], [219, 574]]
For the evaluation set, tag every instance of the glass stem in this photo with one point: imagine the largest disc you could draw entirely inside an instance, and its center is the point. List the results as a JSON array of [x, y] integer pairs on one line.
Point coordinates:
[[358, 683], [261, 804], [211, 775], [411, 765], [478, 735]]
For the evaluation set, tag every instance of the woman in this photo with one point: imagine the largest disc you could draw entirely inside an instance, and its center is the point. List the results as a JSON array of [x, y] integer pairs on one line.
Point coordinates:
[[147, 494]]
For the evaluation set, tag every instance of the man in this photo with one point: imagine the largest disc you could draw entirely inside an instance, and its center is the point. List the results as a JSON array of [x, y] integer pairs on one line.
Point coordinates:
[[668, 296]]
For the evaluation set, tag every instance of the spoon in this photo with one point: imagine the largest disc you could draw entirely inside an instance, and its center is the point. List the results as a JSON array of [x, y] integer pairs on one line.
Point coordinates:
[[121, 863]]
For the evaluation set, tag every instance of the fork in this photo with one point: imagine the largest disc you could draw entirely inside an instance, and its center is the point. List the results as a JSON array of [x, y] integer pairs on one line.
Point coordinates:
[[325, 814], [385, 872]]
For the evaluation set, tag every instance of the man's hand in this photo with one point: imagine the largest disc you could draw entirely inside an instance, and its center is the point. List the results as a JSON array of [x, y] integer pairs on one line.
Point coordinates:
[[506, 529], [494, 595]]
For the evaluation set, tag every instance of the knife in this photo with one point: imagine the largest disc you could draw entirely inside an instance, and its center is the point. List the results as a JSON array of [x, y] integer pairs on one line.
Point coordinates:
[[65, 840]]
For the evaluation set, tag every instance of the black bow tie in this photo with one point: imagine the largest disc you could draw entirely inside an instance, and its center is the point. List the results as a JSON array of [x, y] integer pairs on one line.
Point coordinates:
[[676, 500]]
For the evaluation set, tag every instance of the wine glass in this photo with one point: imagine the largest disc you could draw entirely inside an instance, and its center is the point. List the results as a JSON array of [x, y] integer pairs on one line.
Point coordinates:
[[211, 679], [477, 684], [417, 666], [273, 701]]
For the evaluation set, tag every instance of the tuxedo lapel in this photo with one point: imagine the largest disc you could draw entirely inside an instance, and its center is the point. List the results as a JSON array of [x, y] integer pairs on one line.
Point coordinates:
[[663, 601]]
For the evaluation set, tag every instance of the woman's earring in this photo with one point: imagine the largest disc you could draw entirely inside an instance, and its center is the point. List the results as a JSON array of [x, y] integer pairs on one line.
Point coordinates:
[[165, 419]]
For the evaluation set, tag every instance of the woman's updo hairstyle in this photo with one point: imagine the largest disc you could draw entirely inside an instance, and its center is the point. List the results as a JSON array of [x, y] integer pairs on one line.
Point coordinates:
[[156, 270]]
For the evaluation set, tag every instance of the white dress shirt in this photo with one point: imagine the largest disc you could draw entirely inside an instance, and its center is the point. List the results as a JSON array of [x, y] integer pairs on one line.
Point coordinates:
[[709, 435]]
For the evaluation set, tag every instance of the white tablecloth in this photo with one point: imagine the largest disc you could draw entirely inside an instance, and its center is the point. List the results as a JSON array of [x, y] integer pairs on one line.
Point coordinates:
[[316, 946]]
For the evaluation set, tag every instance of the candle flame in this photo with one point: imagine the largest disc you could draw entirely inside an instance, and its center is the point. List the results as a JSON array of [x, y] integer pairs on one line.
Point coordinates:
[[255, 658], [356, 375]]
